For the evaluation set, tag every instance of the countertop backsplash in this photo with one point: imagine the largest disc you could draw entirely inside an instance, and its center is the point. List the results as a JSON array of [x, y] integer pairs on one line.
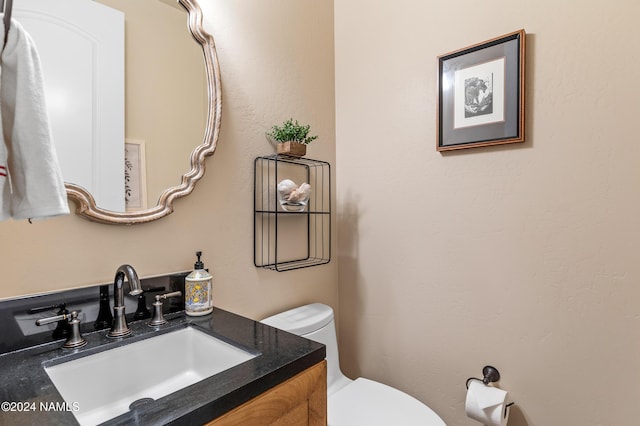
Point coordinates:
[[19, 329]]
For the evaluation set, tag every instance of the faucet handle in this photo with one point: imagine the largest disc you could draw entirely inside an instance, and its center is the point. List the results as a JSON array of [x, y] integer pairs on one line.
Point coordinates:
[[49, 320], [75, 339], [63, 329], [142, 312], [158, 318], [168, 295]]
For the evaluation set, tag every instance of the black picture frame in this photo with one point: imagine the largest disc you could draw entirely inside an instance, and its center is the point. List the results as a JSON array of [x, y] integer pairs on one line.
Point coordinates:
[[481, 94]]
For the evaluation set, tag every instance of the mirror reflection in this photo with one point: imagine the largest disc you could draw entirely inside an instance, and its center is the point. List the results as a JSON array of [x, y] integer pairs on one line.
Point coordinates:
[[162, 107]]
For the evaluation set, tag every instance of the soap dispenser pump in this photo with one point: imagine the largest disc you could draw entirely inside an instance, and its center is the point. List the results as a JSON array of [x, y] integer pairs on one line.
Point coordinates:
[[198, 298]]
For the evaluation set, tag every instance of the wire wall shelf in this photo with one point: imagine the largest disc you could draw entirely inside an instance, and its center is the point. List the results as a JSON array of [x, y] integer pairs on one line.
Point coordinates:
[[283, 239]]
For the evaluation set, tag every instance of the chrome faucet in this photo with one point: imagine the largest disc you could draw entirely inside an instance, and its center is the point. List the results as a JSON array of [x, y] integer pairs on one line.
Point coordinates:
[[119, 327]]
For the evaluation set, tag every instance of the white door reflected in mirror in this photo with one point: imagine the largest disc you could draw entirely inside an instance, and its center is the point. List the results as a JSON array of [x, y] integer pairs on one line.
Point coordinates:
[[166, 104], [81, 49]]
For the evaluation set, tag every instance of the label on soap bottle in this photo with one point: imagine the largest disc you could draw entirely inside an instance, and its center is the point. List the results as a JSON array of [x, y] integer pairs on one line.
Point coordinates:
[[197, 297]]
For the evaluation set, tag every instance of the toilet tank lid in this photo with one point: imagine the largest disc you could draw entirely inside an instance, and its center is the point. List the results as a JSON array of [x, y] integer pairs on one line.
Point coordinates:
[[303, 320]]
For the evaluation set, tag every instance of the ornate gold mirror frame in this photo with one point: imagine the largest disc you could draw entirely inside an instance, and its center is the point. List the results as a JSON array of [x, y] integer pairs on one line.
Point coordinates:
[[85, 203]]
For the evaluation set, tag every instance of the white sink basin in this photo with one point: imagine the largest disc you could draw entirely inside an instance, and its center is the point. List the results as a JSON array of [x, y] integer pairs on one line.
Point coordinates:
[[102, 386]]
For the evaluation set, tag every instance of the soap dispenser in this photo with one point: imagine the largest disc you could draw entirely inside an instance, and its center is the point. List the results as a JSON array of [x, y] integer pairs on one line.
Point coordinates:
[[198, 299]]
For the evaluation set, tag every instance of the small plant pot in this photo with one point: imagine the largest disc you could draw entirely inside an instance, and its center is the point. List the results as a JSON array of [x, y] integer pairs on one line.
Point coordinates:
[[295, 149]]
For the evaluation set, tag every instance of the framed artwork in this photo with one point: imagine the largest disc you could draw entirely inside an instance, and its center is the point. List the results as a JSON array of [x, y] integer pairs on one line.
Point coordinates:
[[135, 175], [481, 94]]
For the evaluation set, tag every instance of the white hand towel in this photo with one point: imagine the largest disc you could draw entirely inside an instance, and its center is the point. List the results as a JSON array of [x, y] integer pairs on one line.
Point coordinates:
[[35, 188]]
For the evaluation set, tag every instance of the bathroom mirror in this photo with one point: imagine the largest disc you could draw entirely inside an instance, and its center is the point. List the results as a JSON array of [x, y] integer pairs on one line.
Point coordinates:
[[159, 118]]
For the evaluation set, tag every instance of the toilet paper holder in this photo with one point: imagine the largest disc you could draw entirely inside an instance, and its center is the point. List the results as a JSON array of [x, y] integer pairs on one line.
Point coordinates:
[[489, 375]]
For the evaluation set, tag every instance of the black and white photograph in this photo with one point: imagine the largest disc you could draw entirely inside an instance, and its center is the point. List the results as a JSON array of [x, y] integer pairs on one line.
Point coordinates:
[[479, 94]]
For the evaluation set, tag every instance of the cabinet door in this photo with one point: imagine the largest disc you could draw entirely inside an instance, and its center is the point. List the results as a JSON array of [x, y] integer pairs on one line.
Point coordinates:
[[301, 400]]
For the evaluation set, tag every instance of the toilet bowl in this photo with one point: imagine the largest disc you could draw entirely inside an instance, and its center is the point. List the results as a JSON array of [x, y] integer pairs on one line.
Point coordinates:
[[352, 402]]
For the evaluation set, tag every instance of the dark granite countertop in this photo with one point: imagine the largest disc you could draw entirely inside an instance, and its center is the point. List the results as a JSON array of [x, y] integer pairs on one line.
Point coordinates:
[[281, 356]]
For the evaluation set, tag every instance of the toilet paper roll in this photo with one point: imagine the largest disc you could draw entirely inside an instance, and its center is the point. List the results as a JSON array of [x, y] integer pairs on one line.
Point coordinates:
[[486, 404]]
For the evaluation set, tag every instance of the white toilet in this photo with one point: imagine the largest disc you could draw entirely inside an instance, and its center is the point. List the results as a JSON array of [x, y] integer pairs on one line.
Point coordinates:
[[352, 402]]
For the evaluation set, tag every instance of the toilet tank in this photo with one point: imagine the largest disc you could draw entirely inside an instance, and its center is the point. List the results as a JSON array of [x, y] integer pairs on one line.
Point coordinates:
[[314, 322]]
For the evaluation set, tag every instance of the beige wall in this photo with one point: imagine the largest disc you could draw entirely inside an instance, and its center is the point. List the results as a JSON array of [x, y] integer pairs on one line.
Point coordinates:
[[524, 257], [276, 61]]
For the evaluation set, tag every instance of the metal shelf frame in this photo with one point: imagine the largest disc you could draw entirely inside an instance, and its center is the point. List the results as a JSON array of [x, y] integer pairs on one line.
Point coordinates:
[[285, 240]]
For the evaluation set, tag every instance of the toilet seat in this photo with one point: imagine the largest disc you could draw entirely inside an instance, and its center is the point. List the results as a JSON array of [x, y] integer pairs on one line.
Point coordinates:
[[368, 403]]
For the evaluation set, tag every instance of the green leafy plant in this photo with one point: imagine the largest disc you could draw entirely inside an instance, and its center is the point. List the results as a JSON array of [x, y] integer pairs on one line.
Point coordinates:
[[291, 131]]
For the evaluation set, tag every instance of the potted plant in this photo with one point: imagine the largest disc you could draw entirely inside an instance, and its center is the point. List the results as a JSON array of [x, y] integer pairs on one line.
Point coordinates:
[[291, 137]]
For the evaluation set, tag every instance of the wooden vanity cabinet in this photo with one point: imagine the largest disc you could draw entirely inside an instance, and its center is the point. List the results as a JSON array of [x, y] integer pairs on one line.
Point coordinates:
[[301, 400]]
